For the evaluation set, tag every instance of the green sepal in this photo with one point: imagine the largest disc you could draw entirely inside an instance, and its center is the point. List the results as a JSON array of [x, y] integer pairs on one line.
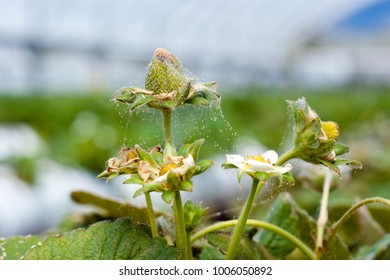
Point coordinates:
[[192, 149], [173, 180], [351, 163], [169, 150], [182, 96], [152, 187], [228, 165], [144, 155], [191, 172], [169, 104], [104, 174], [126, 95], [331, 166], [158, 157], [198, 101], [315, 126], [168, 196], [186, 186], [134, 179], [340, 149], [261, 176], [140, 100], [240, 173], [203, 165], [112, 176], [206, 91]]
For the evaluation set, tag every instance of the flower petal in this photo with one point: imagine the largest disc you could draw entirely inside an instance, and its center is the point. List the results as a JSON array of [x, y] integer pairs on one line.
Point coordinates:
[[271, 156], [236, 160]]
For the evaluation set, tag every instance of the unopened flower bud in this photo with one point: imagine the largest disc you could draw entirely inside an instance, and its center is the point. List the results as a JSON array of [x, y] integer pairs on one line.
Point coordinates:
[[165, 73]]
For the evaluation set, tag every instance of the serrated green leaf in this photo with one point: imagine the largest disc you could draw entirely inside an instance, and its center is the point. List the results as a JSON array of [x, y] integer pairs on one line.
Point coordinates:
[[378, 251], [285, 215], [106, 240], [14, 247]]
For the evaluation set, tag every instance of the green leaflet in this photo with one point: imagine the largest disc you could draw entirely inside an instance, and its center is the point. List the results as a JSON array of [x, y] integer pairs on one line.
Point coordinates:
[[107, 240], [285, 214], [378, 251], [13, 248]]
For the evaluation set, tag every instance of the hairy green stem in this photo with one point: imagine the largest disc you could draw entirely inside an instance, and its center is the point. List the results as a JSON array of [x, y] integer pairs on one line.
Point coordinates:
[[239, 229], [287, 156], [323, 216], [255, 223], [188, 244], [333, 229], [167, 114], [181, 234], [152, 219]]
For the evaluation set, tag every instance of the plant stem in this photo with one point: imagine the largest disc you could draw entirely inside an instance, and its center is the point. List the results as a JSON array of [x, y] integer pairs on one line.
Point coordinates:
[[287, 156], [239, 229], [323, 216], [332, 230], [167, 114], [188, 244], [152, 220], [181, 234], [255, 223]]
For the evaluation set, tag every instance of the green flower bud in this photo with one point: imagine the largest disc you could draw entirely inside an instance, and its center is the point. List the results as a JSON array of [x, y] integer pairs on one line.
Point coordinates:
[[165, 73], [193, 214], [315, 141]]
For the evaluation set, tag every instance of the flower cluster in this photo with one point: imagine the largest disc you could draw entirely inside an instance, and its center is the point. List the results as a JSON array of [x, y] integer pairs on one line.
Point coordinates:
[[156, 170], [167, 86]]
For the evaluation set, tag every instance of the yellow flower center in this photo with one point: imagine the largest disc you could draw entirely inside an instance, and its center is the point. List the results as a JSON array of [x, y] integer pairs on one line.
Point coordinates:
[[331, 129], [258, 158], [167, 167]]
